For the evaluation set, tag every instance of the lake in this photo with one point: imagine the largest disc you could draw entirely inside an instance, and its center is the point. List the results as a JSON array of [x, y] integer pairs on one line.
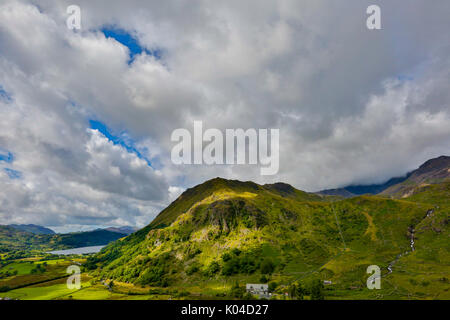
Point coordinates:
[[82, 250]]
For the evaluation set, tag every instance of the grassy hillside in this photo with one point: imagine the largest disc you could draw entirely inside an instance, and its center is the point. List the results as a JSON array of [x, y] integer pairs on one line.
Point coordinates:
[[225, 231], [12, 239]]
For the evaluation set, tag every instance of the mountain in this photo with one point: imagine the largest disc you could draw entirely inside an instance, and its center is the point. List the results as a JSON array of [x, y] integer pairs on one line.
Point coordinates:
[[12, 239], [32, 228], [339, 192], [433, 171], [356, 190], [223, 231], [125, 230], [87, 238]]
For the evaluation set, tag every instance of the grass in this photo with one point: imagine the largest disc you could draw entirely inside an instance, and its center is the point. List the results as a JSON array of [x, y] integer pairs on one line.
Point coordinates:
[[22, 267], [39, 293]]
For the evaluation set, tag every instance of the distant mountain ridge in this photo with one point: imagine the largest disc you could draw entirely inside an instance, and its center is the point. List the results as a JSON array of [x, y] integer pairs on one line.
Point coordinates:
[[125, 230], [432, 171], [12, 239], [37, 229], [32, 228]]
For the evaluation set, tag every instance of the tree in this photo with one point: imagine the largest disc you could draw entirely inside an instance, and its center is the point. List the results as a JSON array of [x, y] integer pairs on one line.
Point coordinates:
[[272, 286], [213, 268], [300, 292], [237, 291], [231, 267], [296, 291], [248, 296], [317, 290], [292, 291], [193, 268], [4, 289], [226, 256], [267, 266]]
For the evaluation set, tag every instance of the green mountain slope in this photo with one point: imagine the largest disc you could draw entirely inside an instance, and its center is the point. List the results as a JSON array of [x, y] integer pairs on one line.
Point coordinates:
[[222, 231]]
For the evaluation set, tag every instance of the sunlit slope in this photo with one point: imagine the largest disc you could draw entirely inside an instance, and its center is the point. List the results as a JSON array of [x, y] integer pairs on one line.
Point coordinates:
[[226, 228]]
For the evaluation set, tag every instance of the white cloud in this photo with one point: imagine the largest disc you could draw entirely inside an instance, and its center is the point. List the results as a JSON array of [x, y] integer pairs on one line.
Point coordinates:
[[352, 105]]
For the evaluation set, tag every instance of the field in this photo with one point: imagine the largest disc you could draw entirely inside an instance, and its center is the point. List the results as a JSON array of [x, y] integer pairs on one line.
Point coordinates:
[[404, 283]]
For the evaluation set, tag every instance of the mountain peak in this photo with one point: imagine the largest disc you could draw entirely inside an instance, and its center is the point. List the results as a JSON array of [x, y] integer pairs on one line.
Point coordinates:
[[436, 163], [282, 188], [220, 188], [433, 171]]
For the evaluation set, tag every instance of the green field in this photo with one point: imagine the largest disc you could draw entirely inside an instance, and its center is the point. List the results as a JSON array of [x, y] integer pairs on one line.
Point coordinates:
[[22, 267]]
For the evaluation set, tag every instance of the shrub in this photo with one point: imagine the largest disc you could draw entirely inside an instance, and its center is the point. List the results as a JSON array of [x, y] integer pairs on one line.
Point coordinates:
[[267, 266], [4, 288], [236, 251], [316, 290], [300, 291], [296, 291], [272, 286], [193, 268], [212, 269], [226, 256], [152, 276], [237, 291], [243, 263]]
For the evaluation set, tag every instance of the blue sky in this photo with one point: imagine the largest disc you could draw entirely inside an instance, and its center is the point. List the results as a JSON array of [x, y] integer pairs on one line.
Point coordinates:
[[127, 39], [130, 41], [122, 138], [4, 95], [6, 156], [13, 174]]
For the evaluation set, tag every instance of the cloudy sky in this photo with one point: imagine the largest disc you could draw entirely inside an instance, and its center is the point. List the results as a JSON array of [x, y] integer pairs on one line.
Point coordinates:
[[86, 115]]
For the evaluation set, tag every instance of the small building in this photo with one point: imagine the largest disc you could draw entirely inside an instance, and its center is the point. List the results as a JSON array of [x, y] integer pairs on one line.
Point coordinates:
[[261, 290]]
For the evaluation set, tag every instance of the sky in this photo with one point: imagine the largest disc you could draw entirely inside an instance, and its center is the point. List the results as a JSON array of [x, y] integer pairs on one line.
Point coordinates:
[[86, 115]]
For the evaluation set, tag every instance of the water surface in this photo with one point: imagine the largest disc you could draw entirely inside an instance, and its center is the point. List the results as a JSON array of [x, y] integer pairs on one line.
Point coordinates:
[[81, 250]]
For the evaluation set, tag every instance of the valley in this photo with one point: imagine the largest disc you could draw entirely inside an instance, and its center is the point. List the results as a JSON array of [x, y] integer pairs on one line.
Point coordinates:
[[222, 234]]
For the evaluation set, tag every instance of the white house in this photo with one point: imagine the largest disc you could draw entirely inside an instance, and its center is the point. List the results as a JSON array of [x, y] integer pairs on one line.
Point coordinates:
[[261, 290]]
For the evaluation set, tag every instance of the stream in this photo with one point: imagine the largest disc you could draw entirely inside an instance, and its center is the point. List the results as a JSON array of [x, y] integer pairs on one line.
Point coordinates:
[[411, 232]]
